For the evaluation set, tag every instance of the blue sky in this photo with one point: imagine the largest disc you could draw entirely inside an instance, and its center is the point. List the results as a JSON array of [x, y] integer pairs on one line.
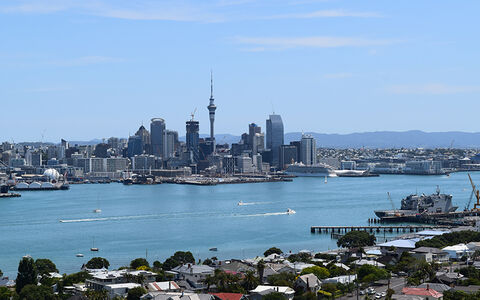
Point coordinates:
[[83, 69]]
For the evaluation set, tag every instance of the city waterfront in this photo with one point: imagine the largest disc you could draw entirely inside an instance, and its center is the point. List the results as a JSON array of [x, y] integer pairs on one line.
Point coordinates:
[[157, 220]]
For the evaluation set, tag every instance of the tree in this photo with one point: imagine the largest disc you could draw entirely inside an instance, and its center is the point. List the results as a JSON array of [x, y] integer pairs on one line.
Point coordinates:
[[136, 293], [282, 279], [272, 251], [45, 266], [138, 262], [1, 273], [97, 295], [260, 269], [250, 281], [27, 273], [177, 259], [300, 257], [320, 272], [356, 239], [97, 263], [369, 273], [37, 292], [7, 294], [274, 296], [207, 262], [157, 265]]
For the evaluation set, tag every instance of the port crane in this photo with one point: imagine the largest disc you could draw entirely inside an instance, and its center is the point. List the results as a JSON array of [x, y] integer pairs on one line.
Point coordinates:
[[476, 192]]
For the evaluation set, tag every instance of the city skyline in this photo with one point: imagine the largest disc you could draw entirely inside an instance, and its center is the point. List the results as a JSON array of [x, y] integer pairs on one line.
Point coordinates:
[[100, 68]]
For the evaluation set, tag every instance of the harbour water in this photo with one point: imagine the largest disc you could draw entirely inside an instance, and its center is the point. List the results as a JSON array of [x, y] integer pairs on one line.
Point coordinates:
[[157, 220]]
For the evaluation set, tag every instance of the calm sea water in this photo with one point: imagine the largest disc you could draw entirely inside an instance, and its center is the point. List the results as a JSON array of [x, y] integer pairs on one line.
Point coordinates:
[[158, 220]]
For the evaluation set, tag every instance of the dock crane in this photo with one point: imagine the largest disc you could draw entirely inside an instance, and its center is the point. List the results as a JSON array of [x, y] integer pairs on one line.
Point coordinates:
[[476, 192]]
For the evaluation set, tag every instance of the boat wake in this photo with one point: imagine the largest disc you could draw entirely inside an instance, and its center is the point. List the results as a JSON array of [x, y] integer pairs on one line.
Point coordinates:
[[241, 203], [288, 212]]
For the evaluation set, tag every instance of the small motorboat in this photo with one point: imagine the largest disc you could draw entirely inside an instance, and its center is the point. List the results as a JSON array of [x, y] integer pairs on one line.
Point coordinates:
[[79, 255], [291, 211], [213, 249], [98, 210], [94, 249], [240, 203]]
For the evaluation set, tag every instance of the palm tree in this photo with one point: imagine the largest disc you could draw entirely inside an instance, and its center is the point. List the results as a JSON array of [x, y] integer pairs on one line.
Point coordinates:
[[250, 281], [260, 269]]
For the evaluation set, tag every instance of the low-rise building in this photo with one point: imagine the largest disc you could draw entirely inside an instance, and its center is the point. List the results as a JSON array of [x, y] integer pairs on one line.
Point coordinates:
[[308, 283], [430, 254], [260, 291]]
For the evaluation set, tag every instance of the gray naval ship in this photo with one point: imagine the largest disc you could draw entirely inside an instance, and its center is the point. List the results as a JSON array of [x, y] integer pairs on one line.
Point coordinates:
[[421, 204]]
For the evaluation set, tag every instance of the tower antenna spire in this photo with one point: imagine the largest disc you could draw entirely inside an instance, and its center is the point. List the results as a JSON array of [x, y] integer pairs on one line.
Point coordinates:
[[211, 84]]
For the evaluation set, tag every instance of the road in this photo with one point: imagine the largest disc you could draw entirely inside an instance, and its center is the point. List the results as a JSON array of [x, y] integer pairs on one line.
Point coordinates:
[[396, 283]]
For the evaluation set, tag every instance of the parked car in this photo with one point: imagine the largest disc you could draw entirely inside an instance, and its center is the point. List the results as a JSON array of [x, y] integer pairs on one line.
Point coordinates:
[[361, 292]]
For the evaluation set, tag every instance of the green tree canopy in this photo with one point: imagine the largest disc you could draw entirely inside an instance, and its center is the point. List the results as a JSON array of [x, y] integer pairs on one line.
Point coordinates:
[[177, 259], [138, 262], [450, 239], [136, 293], [282, 279], [97, 263], [45, 266], [356, 239], [369, 273], [27, 273], [76, 278], [157, 265], [7, 294], [320, 272], [37, 292], [300, 257], [272, 251]]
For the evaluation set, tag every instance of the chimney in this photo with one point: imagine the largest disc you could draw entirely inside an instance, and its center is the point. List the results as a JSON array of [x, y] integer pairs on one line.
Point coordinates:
[[428, 287]]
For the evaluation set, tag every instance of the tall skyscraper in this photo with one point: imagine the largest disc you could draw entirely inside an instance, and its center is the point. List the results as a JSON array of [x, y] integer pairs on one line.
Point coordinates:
[[275, 137], [192, 140], [171, 143], [211, 111], [308, 150], [145, 135], [157, 136]]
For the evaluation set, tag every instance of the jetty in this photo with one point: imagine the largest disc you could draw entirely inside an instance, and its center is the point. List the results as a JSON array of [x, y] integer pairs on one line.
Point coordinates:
[[379, 228], [9, 195]]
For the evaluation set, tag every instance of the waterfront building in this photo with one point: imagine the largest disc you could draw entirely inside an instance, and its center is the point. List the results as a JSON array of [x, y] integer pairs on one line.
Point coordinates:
[[308, 150], [134, 146], [211, 112], [423, 167], [37, 159], [229, 164], [275, 137], [288, 155], [157, 137], [98, 164], [245, 164], [193, 140], [115, 164], [143, 162], [257, 162], [17, 162]]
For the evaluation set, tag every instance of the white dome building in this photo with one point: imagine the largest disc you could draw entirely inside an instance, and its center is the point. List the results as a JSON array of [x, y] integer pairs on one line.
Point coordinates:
[[52, 174]]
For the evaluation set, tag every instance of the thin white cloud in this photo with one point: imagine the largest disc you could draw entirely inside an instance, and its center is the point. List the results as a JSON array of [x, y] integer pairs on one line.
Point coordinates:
[[333, 13], [280, 43], [337, 75], [433, 89], [169, 10]]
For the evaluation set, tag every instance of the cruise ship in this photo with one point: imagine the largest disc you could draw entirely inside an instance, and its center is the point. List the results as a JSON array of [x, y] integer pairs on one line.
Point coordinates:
[[421, 204], [318, 170]]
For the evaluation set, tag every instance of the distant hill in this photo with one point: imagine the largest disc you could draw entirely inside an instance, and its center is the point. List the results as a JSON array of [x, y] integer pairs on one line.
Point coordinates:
[[393, 139], [377, 139]]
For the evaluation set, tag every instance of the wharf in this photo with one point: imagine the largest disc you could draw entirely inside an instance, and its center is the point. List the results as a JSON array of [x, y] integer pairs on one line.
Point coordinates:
[[434, 218], [392, 228], [9, 195]]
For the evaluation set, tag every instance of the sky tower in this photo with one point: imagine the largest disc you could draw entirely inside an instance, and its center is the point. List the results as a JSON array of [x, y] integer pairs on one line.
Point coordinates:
[[211, 110]]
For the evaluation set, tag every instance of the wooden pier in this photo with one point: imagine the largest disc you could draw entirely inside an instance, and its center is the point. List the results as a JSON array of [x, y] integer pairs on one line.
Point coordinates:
[[393, 228]]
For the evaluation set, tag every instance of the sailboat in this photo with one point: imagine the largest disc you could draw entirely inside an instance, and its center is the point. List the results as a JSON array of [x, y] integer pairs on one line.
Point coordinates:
[[93, 246], [325, 179]]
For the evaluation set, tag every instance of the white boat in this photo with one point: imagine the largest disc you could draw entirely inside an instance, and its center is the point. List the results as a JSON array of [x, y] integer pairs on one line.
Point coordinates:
[[290, 211], [325, 179], [240, 203], [98, 210], [79, 255]]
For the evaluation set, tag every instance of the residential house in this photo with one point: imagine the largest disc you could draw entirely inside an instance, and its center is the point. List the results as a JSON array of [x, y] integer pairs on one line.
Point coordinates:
[[119, 289], [308, 282], [229, 296], [341, 279], [427, 293], [193, 275], [262, 290], [398, 246], [176, 296], [104, 277], [164, 286], [457, 251], [430, 254]]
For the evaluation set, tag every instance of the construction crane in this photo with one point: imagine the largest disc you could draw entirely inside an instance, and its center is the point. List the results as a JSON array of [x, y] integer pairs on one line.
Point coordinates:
[[391, 201], [193, 114], [476, 206]]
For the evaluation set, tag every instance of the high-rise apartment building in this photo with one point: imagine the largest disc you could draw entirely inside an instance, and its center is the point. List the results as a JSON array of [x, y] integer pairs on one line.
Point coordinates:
[[157, 136], [275, 137], [192, 140], [308, 150]]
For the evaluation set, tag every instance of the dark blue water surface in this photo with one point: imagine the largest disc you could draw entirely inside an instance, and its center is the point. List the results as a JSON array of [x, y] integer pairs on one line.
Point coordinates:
[[162, 219]]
